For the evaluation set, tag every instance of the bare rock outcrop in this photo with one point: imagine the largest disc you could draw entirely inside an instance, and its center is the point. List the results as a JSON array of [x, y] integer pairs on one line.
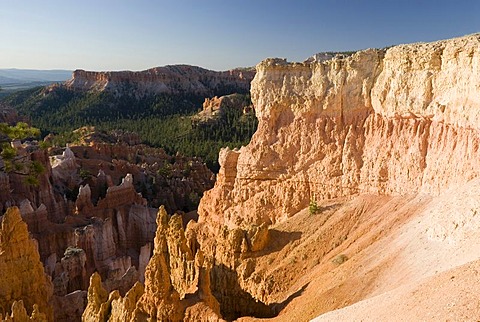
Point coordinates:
[[16, 190], [173, 181], [176, 79], [19, 313], [177, 284], [70, 307], [396, 121], [214, 107], [87, 213], [24, 287], [10, 115], [374, 138], [85, 222], [98, 306]]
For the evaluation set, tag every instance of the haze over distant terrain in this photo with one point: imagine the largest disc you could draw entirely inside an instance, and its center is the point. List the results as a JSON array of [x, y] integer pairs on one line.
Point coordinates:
[[18, 76], [218, 35], [13, 79]]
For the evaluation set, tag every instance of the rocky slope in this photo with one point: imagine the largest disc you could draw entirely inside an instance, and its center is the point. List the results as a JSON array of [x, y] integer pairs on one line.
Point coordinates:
[[175, 79], [400, 122], [214, 108], [386, 144], [87, 215]]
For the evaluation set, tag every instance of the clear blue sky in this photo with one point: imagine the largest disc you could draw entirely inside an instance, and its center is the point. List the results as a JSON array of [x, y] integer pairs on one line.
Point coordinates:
[[215, 34]]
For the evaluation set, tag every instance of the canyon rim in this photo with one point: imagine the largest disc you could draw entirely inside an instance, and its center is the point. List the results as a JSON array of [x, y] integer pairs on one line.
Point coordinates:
[[384, 143]]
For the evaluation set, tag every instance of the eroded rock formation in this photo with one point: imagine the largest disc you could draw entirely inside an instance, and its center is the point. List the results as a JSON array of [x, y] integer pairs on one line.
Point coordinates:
[[176, 278], [377, 139], [378, 124], [396, 121], [177, 182], [88, 214], [176, 79], [25, 289], [214, 107], [9, 115]]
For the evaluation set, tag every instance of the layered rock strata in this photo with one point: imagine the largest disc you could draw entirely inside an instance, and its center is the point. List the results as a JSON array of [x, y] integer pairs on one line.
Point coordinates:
[[175, 79], [85, 223], [172, 181], [213, 108], [401, 121], [396, 121]]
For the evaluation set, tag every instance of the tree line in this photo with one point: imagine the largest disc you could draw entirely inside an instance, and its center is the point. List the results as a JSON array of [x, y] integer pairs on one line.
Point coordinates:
[[161, 120]]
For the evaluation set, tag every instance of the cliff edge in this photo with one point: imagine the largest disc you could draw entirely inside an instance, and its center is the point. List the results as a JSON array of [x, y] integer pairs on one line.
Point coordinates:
[[172, 79], [383, 146], [395, 122]]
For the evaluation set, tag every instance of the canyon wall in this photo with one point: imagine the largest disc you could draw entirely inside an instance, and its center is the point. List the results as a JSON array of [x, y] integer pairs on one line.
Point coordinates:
[[398, 121], [175, 79], [401, 121]]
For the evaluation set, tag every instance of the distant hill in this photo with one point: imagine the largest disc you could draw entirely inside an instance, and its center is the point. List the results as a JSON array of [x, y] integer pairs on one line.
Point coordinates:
[[156, 104], [12, 80], [23, 76]]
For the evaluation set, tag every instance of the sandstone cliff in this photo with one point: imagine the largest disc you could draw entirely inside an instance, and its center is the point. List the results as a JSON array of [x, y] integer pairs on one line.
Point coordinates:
[[214, 108], [175, 79], [396, 121], [386, 143], [24, 287]]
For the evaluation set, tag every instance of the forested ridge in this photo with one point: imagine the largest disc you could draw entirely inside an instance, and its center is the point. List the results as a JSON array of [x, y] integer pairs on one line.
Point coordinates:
[[161, 120]]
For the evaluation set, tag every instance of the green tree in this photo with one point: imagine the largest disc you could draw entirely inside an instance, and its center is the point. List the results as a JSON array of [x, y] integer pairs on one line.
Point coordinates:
[[12, 161]]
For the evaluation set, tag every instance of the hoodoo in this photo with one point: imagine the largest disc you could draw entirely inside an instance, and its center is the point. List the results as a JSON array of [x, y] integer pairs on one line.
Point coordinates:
[[356, 199]]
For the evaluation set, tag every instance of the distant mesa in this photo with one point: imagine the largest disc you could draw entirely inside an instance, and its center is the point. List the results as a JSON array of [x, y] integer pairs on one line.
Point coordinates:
[[172, 79]]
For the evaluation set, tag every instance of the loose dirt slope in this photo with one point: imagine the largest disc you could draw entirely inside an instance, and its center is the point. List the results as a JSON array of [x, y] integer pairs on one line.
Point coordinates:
[[378, 258]]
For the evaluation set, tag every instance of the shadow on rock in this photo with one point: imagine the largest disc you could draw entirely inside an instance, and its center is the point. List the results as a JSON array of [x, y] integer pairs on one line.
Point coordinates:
[[277, 241], [236, 302]]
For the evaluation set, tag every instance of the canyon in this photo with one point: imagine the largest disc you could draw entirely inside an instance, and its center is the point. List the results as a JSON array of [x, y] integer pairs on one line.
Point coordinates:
[[356, 199], [86, 216]]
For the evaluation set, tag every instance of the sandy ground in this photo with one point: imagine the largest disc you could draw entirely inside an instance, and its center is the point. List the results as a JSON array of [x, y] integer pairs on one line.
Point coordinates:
[[379, 258]]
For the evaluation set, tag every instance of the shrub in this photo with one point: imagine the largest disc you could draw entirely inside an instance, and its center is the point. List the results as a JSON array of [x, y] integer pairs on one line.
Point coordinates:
[[84, 174], [313, 207], [340, 259]]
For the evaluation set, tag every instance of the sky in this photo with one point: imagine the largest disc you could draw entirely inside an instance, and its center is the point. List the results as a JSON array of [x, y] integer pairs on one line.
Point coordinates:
[[214, 34]]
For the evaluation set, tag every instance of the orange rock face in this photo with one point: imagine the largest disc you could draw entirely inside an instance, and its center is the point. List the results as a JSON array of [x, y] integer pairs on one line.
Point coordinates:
[[23, 284], [392, 122], [215, 106], [169, 79], [86, 223], [175, 279], [376, 139], [386, 141]]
